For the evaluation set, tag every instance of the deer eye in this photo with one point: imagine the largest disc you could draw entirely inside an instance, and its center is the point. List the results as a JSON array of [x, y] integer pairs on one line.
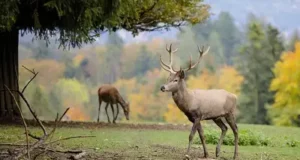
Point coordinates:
[[176, 80]]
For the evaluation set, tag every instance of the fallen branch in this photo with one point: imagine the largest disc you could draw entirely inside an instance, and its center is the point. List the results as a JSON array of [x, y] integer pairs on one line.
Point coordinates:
[[41, 141], [11, 144], [60, 151]]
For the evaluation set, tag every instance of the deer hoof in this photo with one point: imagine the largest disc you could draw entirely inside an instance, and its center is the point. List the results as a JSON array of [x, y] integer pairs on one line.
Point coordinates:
[[186, 157], [205, 155]]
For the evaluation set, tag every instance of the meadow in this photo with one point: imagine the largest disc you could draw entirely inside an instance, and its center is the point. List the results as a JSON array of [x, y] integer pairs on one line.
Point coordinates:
[[165, 141]]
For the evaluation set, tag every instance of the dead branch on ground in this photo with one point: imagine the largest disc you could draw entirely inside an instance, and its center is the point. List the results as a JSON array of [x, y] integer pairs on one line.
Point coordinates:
[[41, 142]]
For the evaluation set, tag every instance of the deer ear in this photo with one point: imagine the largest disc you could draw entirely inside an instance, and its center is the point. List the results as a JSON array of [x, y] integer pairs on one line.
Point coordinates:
[[181, 74]]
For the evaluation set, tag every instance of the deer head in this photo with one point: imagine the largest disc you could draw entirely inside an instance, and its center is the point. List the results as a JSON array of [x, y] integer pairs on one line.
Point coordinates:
[[176, 78], [126, 110]]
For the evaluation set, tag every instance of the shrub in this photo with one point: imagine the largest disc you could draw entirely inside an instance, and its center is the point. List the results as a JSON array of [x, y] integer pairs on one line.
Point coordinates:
[[293, 143], [246, 138]]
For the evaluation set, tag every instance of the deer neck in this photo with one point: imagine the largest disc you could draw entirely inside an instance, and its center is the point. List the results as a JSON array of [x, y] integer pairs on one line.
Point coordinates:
[[182, 97], [121, 101]]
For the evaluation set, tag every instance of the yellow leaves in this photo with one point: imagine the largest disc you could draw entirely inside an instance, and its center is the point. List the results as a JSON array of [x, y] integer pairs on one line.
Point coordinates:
[[174, 115], [136, 105], [126, 85], [71, 92], [286, 85], [205, 81], [228, 79]]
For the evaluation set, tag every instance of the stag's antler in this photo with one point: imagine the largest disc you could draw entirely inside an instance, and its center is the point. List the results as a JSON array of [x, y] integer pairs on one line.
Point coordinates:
[[200, 56], [168, 67]]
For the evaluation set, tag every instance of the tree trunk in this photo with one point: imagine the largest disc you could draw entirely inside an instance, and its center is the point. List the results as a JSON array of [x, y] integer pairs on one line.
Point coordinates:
[[9, 74]]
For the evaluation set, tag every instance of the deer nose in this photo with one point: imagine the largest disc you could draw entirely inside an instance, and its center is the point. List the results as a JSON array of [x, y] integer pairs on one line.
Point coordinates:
[[162, 88]]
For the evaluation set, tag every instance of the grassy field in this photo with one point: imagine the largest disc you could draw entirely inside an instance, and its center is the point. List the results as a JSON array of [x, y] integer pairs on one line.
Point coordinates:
[[148, 141]]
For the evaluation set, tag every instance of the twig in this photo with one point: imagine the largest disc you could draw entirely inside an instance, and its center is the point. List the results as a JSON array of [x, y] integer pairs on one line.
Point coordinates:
[[37, 155], [32, 71], [34, 137], [24, 123], [64, 114], [67, 138], [33, 113], [23, 90]]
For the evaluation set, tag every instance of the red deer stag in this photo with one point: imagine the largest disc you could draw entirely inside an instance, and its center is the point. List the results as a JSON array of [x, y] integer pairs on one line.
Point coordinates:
[[199, 104], [110, 95]]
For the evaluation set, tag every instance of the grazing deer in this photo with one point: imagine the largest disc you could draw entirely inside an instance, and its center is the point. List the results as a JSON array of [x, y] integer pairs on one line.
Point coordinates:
[[110, 95], [198, 104]]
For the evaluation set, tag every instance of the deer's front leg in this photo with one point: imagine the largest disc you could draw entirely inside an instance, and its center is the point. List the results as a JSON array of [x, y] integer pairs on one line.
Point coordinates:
[[107, 112], [201, 135], [193, 131]]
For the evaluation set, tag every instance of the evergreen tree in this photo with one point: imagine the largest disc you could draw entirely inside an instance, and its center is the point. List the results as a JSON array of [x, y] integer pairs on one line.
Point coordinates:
[[295, 37], [143, 62], [256, 60], [112, 64], [229, 35]]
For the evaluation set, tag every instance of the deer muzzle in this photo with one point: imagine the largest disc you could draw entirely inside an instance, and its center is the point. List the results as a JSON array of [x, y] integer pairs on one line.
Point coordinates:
[[162, 88]]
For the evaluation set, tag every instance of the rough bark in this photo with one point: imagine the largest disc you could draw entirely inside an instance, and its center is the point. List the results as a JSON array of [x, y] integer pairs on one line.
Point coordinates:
[[9, 74]]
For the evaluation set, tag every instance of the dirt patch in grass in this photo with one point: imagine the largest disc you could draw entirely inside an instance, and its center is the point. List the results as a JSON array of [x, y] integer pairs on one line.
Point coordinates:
[[157, 152]]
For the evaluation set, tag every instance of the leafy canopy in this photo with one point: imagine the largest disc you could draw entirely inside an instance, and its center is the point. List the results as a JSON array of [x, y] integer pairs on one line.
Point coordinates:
[[80, 21]]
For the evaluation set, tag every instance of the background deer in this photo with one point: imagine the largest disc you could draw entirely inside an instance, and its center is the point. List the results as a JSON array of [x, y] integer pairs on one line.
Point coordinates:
[[198, 104], [110, 95]]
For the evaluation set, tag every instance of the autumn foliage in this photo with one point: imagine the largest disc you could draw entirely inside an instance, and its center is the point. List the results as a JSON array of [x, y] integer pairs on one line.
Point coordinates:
[[77, 114], [286, 84]]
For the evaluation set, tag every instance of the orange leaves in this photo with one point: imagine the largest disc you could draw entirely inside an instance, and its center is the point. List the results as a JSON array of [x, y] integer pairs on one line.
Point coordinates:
[[49, 71], [76, 114], [287, 86]]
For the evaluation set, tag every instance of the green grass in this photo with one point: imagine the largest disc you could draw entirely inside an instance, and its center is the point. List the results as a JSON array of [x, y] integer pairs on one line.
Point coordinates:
[[167, 144]]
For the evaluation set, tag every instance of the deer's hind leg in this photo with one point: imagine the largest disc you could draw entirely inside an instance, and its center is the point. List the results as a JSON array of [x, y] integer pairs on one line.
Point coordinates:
[[115, 118], [223, 127], [100, 101], [231, 121], [113, 112]]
